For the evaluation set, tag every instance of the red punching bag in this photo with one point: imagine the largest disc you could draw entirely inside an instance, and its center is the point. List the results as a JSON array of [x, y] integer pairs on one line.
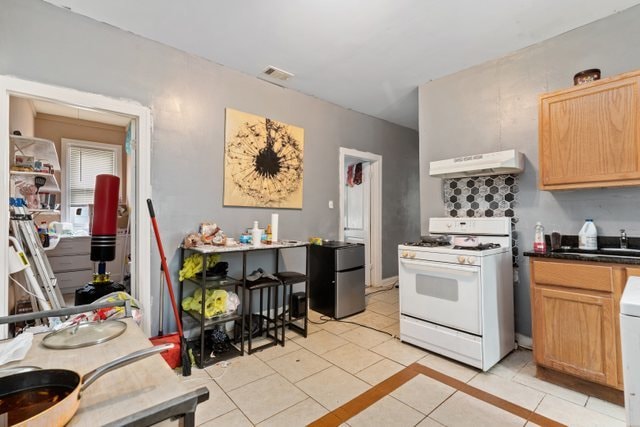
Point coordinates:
[[103, 239], [105, 218]]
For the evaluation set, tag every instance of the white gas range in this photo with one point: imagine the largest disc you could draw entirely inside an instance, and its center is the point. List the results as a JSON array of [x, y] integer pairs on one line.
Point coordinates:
[[458, 301]]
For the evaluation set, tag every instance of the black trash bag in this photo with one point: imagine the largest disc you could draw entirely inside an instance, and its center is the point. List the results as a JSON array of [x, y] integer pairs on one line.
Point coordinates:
[[218, 341], [90, 292], [219, 269]]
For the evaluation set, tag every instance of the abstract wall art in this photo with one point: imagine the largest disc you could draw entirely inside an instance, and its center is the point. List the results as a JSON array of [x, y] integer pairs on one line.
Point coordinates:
[[263, 162]]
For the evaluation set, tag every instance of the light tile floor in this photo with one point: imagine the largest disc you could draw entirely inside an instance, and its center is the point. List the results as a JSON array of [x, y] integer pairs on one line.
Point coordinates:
[[299, 383]]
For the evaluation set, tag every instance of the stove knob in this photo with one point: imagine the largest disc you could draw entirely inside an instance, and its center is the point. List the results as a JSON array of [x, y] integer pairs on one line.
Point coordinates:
[[461, 259], [404, 254], [471, 260], [449, 224], [412, 254]]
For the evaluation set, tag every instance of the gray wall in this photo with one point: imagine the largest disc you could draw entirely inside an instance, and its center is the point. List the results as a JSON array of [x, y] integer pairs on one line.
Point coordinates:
[[493, 107], [188, 96]]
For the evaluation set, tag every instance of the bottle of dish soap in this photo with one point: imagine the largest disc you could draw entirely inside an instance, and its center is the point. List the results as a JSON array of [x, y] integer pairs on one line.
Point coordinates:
[[539, 244], [588, 236]]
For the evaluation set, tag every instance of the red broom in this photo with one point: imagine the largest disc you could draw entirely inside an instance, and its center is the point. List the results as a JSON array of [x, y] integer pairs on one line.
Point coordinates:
[[184, 355]]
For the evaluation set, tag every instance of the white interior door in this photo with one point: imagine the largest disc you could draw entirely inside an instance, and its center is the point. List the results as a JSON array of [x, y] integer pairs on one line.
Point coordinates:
[[357, 211], [372, 229]]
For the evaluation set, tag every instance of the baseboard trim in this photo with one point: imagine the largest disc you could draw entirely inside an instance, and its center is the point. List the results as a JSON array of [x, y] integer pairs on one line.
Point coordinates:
[[580, 385], [388, 281], [524, 341]]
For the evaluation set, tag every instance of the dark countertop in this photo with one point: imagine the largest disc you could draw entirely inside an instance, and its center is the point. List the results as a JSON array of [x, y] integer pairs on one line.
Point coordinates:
[[570, 250], [591, 257]]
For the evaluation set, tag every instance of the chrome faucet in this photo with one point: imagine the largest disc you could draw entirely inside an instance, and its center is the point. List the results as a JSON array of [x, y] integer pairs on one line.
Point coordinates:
[[623, 239]]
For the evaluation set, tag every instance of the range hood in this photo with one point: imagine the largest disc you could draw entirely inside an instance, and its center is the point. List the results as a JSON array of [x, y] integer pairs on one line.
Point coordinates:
[[498, 163]]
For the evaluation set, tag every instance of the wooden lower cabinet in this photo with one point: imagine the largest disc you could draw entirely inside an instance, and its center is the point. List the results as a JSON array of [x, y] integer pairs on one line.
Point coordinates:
[[575, 333], [576, 319]]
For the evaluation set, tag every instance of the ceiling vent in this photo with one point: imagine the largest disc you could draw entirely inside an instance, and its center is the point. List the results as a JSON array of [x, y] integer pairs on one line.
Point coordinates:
[[277, 73]]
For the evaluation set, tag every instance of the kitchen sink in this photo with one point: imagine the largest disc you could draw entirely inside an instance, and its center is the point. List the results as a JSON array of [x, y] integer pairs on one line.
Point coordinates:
[[622, 251]]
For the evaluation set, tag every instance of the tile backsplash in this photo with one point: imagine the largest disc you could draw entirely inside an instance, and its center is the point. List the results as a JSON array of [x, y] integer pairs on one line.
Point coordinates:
[[485, 196]]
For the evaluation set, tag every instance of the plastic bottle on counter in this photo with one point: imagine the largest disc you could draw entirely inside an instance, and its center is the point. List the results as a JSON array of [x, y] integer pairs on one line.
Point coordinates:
[[539, 244], [268, 233], [256, 234], [588, 236]]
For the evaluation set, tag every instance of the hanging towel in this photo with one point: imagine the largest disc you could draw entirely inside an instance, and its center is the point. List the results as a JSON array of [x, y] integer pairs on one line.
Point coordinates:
[[350, 175], [357, 175]]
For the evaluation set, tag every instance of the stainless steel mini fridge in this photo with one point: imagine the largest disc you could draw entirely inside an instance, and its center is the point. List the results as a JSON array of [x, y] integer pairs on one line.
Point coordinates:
[[336, 282]]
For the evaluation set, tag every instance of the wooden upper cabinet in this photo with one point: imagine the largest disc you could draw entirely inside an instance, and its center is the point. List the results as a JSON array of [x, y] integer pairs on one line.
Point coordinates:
[[589, 135]]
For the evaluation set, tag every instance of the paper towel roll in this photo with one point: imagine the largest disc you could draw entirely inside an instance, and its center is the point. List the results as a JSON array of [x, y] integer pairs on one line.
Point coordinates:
[[274, 227]]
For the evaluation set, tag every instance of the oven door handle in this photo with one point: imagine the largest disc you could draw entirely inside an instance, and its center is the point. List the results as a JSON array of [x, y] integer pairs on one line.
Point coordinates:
[[430, 266]]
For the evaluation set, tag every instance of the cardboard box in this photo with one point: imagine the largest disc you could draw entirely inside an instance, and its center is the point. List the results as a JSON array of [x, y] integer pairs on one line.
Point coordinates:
[[123, 217]]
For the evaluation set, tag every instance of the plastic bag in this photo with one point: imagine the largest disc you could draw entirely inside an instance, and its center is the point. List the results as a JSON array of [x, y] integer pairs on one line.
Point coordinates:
[[215, 302], [233, 301], [16, 349]]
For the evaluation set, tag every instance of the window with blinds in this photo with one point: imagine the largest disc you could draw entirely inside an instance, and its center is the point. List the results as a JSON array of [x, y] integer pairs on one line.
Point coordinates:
[[84, 164]]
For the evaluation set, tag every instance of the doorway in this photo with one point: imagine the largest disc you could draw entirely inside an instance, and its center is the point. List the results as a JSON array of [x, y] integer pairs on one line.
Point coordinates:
[[360, 183], [137, 188]]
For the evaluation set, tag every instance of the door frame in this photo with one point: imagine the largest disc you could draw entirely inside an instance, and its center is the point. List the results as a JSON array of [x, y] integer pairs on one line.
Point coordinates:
[[140, 224], [375, 167]]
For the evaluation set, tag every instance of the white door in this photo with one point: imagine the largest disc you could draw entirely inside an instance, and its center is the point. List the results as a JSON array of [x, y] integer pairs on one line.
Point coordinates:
[[445, 294], [357, 209]]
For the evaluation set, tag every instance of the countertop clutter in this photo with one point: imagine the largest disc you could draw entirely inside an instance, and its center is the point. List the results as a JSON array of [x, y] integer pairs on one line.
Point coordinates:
[[135, 393], [609, 251], [212, 315]]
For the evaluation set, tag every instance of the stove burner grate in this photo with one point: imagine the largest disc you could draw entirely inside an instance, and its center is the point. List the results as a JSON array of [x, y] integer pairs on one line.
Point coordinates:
[[428, 244], [480, 247]]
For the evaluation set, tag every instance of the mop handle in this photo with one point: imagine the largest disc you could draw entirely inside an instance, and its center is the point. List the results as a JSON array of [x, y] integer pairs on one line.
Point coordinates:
[[165, 267]]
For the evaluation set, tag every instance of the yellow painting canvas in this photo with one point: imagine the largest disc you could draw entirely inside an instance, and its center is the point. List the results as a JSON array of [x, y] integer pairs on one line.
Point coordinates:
[[262, 162]]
